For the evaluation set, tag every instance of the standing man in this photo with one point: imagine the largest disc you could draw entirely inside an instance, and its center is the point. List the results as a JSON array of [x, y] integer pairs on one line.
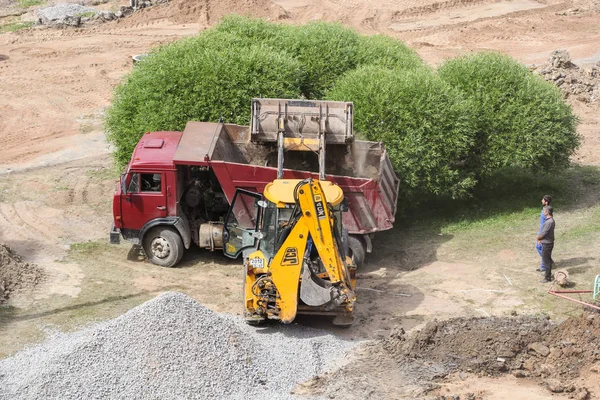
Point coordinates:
[[546, 240], [546, 200]]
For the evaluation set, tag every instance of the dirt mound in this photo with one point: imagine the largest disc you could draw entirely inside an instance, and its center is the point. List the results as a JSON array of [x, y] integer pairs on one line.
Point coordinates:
[[554, 355], [582, 84], [206, 12], [15, 274]]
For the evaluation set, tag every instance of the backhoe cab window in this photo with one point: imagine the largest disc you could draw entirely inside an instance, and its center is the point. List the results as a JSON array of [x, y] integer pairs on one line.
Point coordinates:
[[275, 228]]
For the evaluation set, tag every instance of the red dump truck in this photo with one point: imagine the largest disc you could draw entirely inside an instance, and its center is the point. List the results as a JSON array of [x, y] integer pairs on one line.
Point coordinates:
[[178, 186]]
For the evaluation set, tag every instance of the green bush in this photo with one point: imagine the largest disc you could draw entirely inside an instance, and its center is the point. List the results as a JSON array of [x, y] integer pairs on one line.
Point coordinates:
[[523, 120], [255, 30], [326, 50], [196, 80], [387, 52], [426, 125]]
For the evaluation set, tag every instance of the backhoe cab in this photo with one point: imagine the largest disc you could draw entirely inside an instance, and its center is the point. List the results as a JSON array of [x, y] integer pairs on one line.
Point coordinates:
[[295, 251]]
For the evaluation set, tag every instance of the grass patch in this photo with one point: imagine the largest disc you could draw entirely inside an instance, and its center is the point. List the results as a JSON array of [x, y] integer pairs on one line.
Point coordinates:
[[511, 198], [103, 174], [88, 247], [30, 3], [589, 228], [15, 26], [87, 14]]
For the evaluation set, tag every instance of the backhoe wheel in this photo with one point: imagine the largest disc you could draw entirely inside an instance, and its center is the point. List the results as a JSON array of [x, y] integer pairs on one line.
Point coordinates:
[[163, 246], [357, 250]]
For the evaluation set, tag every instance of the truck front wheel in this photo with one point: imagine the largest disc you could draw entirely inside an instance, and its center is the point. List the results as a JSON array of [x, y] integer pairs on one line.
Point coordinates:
[[163, 246], [357, 250]]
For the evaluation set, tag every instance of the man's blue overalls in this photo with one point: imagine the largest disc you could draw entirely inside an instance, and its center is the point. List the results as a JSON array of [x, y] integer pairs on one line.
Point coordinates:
[[538, 246]]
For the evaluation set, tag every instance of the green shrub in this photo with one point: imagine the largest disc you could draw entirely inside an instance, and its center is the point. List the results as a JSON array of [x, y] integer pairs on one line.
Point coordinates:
[[255, 30], [387, 52], [194, 79], [326, 50], [523, 120], [426, 125]]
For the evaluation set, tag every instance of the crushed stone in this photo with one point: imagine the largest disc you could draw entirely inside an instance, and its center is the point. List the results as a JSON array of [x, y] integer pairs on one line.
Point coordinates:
[[171, 347]]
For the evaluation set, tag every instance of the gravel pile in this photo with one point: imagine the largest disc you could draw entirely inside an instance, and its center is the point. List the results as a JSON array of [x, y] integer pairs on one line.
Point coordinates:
[[171, 347]]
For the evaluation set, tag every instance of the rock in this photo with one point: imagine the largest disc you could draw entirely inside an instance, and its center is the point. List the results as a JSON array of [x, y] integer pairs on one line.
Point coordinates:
[[539, 348], [546, 369], [581, 394], [126, 11], [64, 14], [555, 353], [554, 385], [107, 16], [520, 374], [529, 364], [560, 59]]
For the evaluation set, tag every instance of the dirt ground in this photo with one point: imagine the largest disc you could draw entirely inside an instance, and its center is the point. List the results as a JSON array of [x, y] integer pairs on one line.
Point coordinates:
[[56, 179], [525, 347]]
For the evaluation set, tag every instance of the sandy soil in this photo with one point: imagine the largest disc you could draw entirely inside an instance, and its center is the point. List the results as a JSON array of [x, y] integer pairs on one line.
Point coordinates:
[[56, 183]]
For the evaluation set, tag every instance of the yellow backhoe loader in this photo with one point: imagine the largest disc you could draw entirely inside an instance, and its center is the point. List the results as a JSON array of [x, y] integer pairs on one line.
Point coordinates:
[[295, 255]]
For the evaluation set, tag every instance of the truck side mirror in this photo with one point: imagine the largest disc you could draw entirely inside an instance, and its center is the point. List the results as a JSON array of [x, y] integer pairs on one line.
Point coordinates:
[[123, 184], [126, 195]]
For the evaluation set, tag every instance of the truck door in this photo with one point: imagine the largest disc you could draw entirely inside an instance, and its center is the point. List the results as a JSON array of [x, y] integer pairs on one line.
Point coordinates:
[[242, 223], [144, 200]]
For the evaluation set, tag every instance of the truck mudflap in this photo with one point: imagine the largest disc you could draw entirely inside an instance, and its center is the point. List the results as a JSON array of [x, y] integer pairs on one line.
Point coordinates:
[[115, 235]]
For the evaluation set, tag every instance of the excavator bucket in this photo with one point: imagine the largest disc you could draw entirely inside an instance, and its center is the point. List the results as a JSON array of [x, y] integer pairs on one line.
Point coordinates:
[[302, 121]]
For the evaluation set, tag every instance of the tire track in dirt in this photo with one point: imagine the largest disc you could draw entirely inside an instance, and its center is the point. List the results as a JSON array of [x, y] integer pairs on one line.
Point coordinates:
[[24, 219]]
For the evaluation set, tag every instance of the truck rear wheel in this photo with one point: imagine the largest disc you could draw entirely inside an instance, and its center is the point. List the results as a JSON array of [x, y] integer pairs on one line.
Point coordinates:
[[163, 246], [357, 250]]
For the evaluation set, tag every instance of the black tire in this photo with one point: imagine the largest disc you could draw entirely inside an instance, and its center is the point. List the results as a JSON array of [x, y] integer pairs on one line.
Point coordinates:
[[357, 250], [163, 246]]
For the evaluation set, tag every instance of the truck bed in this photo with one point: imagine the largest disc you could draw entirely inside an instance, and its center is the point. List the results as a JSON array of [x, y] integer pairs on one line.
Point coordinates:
[[362, 169]]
